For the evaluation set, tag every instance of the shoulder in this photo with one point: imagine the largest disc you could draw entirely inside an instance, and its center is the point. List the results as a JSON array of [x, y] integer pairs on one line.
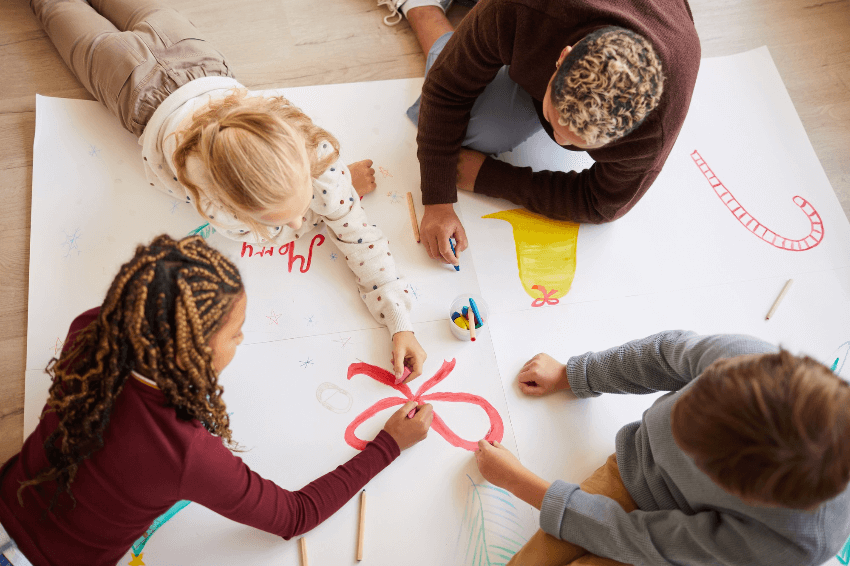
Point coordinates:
[[324, 149]]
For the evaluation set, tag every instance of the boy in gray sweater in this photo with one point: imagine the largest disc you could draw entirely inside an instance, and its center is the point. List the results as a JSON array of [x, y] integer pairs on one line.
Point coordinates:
[[743, 462]]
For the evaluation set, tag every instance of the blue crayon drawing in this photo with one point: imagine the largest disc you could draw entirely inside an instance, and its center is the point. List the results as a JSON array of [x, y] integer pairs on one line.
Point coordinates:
[[491, 528], [333, 257], [70, 244], [139, 545], [413, 291], [305, 363]]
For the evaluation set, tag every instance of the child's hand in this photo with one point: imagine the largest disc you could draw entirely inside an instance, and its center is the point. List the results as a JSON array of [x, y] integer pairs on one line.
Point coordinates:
[[503, 469], [542, 375], [406, 431], [498, 465], [363, 177], [407, 352]]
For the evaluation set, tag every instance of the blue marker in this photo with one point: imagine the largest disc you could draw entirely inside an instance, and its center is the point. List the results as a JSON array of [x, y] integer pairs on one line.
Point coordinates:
[[452, 244], [475, 310]]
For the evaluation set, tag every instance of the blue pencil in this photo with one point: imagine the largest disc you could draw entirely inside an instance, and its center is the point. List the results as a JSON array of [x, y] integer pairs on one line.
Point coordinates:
[[452, 244], [475, 310]]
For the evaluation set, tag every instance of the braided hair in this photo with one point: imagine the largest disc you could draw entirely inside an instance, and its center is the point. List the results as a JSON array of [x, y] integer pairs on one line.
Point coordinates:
[[157, 319]]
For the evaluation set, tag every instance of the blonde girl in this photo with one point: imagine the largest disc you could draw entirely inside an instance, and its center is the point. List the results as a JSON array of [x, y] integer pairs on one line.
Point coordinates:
[[255, 167], [136, 422]]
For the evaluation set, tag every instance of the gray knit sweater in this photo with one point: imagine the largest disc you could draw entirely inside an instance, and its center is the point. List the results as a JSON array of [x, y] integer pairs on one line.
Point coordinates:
[[683, 517]]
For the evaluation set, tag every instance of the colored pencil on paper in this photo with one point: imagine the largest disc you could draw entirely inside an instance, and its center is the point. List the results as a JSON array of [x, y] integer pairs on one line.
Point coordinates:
[[471, 314], [452, 244], [476, 311], [413, 220], [779, 299], [304, 560], [361, 536]]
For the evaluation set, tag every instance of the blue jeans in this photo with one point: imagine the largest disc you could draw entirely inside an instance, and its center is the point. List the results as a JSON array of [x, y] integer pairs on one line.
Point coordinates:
[[503, 116]]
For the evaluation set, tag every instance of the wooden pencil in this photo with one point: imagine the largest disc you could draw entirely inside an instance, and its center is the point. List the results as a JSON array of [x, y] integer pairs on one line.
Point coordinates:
[[361, 536], [304, 560], [413, 220], [779, 299]]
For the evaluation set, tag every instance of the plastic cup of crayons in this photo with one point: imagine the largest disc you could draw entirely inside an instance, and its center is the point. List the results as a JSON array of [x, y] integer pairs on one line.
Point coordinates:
[[459, 316]]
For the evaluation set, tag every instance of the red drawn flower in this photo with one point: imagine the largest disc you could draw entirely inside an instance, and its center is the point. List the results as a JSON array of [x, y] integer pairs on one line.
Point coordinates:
[[497, 428]]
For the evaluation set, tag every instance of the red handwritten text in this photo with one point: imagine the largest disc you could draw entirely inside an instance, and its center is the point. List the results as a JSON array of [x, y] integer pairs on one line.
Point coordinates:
[[287, 250]]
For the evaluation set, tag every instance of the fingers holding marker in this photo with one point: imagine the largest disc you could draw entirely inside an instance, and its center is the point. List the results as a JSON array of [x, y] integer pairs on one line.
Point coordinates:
[[425, 415], [460, 238]]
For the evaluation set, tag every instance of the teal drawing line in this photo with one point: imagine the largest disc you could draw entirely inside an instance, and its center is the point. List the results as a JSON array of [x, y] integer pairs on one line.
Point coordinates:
[[844, 555], [204, 231], [493, 538], [139, 545], [841, 358]]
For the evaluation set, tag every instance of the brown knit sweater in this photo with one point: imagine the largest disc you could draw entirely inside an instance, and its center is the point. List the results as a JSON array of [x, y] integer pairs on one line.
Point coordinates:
[[529, 35]]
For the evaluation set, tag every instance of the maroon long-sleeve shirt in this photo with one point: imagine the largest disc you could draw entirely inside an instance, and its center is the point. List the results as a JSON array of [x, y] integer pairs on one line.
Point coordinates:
[[529, 35], [151, 460]]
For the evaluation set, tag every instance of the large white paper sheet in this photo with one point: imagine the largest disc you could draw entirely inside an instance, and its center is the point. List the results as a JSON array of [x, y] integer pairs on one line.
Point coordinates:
[[292, 438], [682, 258], [681, 235]]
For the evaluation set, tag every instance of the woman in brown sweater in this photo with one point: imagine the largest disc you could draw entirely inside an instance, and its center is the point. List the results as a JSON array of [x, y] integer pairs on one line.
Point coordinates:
[[610, 77]]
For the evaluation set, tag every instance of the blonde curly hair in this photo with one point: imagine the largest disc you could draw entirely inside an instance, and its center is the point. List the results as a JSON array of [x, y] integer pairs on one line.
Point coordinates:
[[607, 85], [255, 148]]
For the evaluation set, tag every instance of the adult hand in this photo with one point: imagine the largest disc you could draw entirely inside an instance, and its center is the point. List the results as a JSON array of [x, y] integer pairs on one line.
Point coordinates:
[[501, 468], [406, 431], [363, 177], [439, 223], [407, 353], [469, 162], [542, 375]]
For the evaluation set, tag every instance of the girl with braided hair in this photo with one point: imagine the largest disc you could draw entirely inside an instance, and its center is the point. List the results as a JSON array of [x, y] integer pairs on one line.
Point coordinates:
[[254, 166], [135, 422]]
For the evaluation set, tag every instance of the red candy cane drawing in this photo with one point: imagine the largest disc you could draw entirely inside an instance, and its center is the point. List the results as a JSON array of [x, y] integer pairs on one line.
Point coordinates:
[[814, 237], [497, 428]]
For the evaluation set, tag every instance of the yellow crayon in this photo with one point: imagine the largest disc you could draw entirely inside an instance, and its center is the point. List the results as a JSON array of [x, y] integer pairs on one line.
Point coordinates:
[[461, 322]]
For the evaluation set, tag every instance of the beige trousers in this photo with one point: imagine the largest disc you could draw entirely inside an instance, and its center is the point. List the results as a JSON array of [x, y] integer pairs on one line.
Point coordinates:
[[129, 54], [546, 550]]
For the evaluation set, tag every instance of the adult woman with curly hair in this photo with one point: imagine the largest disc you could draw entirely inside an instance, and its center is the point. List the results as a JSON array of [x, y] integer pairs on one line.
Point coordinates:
[[610, 77], [135, 422]]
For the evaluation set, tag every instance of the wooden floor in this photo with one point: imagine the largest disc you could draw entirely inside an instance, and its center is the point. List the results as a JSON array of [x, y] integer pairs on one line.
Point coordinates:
[[285, 43]]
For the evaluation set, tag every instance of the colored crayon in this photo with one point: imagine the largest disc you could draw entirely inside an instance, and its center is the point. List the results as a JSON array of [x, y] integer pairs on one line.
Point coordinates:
[[452, 244]]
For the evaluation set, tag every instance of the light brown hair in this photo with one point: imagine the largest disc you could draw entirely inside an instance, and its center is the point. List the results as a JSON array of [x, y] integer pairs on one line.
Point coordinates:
[[607, 85], [771, 429], [157, 319], [255, 148]]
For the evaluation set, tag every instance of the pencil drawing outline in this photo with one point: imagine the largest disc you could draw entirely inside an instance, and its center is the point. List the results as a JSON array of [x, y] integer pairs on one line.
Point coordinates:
[[325, 401]]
